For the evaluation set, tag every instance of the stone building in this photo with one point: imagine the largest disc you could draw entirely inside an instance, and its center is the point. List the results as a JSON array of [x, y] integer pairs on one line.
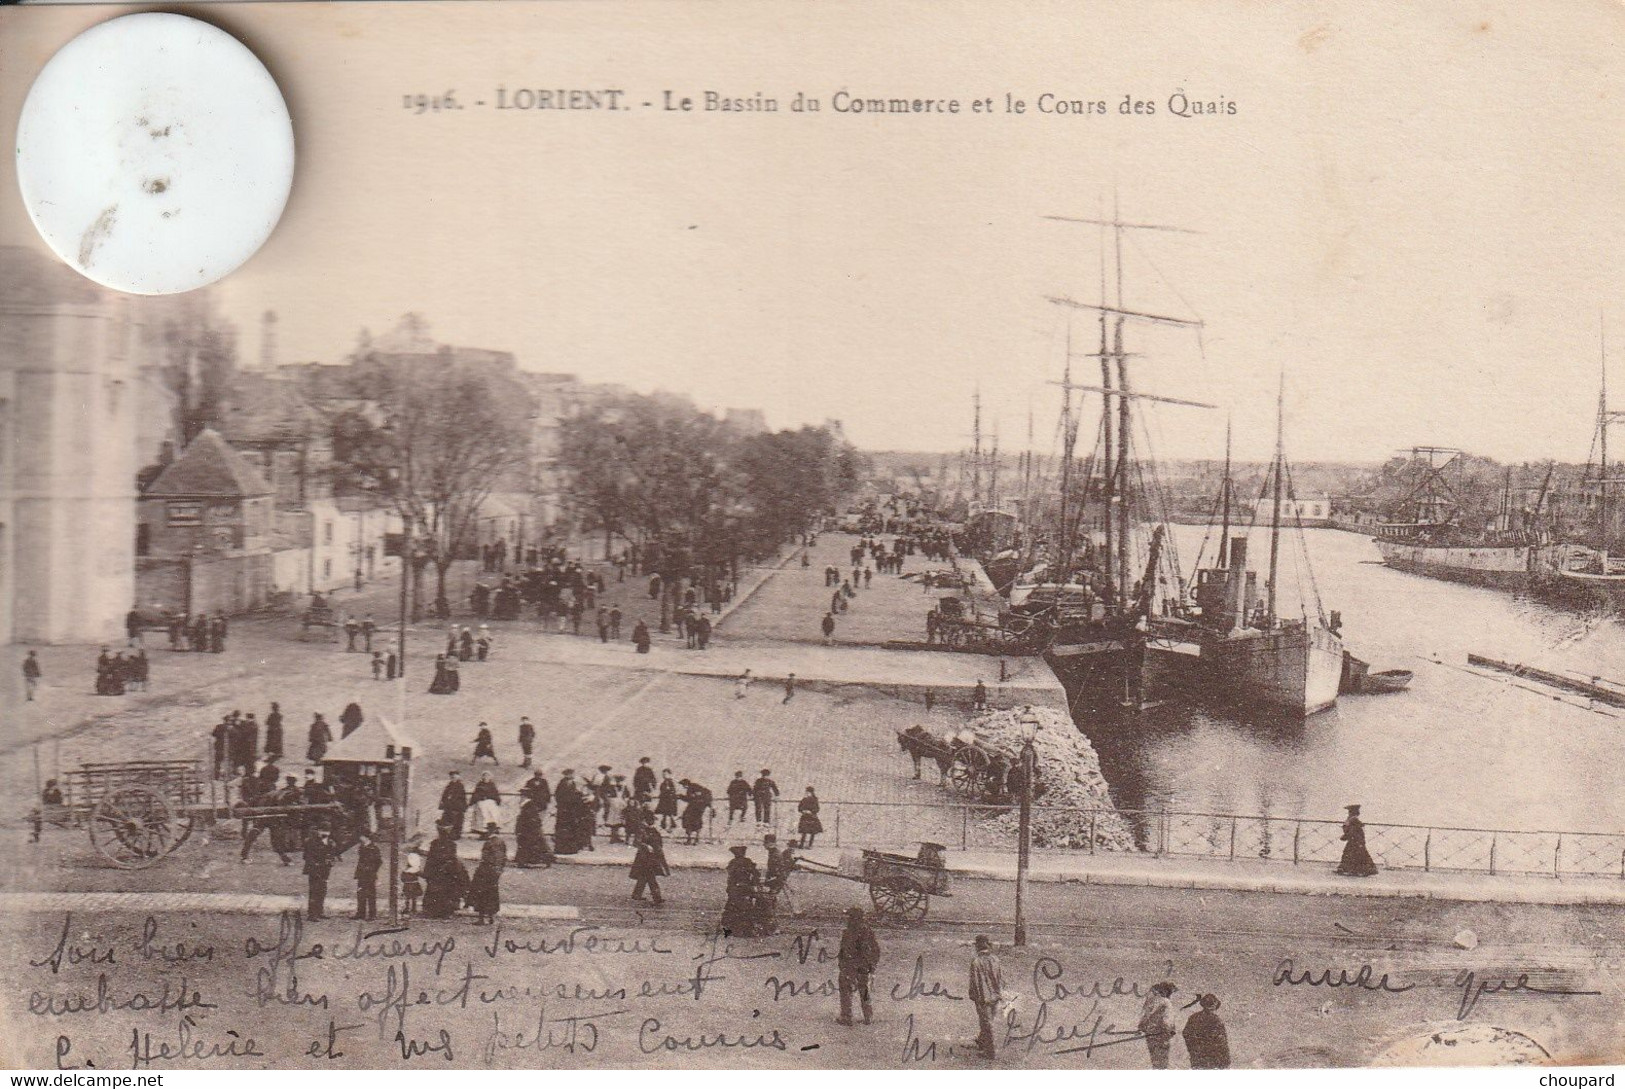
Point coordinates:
[[70, 359], [202, 542]]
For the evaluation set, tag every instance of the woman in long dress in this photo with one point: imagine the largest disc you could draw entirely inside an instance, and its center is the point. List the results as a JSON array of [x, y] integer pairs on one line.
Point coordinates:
[[442, 683], [532, 847], [567, 826], [487, 805], [810, 825], [697, 804], [485, 891], [1356, 860], [445, 879], [666, 805]]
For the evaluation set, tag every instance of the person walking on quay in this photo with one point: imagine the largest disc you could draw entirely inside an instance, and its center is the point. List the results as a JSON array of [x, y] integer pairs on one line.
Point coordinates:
[[666, 801], [352, 628], [640, 637], [643, 780], [453, 805], [444, 683], [530, 840], [739, 909], [828, 626], [603, 624], [697, 805], [392, 664], [284, 831], [221, 735], [377, 665], [484, 745], [445, 879], [986, 985], [742, 684], [319, 856], [615, 623], [200, 633], [32, 675], [738, 797], [485, 890], [762, 792], [273, 733], [321, 735], [858, 959], [368, 861], [369, 627], [978, 697], [649, 865], [789, 689], [527, 738], [1156, 1023], [572, 828], [1206, 1041], [217, 634], [1356, 860], [809, 825]]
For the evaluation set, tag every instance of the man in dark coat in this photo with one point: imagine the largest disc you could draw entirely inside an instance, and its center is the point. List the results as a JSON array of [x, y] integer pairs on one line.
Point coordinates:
[[738, 796], [763, 791], [368, 861], [319, 855], [527, 738], [1205, 1037], [321, 735], [572, 826], [649, 865], [273, 733], [738, 912], [537, 790], [859, 956], [453, 804], [643, 780], [222, 747]]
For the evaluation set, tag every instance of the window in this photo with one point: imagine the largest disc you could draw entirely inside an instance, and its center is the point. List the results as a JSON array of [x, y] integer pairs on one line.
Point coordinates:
[[143, 538], [327, 569], [327, 532], [185, 514]]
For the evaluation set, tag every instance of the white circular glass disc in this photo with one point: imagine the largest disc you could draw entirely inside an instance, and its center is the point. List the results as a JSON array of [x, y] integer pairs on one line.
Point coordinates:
[[155, 153]]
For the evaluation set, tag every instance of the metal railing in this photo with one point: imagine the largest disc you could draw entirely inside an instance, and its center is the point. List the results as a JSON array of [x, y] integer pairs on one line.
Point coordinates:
[[1171, 833]]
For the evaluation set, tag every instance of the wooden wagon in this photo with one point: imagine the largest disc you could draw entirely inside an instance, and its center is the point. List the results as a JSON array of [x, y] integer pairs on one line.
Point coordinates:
[[900, 887], [138, 811]]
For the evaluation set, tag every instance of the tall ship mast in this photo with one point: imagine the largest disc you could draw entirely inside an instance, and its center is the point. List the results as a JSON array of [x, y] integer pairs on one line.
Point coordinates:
[[1523, 551], [1253, 651], [1096, 592]]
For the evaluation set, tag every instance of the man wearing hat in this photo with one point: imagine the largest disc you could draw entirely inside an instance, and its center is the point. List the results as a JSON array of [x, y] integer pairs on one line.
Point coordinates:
[[763, 791], [859, 957], [1356, 860], [1205, 1038], [319, 855], [1157, 1023], [986, 985]]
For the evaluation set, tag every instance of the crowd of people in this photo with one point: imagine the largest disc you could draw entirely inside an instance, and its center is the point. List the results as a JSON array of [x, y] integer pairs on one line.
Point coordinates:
[[118, 673]]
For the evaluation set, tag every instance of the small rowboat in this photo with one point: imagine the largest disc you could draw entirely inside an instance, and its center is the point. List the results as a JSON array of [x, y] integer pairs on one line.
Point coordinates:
[[1389, 680]]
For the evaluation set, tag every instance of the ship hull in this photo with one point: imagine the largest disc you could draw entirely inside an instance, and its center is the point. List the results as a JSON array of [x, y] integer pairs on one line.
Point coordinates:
[[1295, 670], [1106, 668], [1509, 568]]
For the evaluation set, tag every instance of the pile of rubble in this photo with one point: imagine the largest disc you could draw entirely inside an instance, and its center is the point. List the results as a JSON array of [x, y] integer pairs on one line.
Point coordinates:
[[1070, 778]]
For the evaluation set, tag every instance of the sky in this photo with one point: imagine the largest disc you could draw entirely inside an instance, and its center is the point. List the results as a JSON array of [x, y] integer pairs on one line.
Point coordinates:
[[1413, 219]]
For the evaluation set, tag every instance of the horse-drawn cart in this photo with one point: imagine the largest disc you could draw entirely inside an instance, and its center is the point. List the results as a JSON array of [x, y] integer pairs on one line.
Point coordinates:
[[900, 887], [968, 767], [138, 811]]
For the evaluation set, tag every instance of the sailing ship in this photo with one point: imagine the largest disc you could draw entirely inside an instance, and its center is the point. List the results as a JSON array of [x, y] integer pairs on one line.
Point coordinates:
[[1524, 558], [1091, 595], [1251, 653]]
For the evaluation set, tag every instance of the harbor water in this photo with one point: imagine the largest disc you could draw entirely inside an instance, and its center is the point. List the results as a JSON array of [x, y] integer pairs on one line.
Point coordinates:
[[1456, 748]]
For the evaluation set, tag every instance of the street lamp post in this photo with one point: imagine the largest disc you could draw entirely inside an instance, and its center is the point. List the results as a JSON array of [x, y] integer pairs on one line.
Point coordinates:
[[1029, 761]]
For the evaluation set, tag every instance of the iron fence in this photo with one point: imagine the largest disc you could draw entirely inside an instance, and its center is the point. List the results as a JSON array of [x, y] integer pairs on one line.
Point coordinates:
[[1157, 833]]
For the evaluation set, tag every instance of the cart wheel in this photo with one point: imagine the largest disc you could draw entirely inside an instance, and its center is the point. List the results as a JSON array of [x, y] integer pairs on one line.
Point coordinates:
[[133, 828], [899, 900], [961, 774]]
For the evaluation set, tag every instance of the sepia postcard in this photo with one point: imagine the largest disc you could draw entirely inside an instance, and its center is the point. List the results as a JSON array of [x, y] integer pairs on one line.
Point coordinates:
[[925, 537]]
